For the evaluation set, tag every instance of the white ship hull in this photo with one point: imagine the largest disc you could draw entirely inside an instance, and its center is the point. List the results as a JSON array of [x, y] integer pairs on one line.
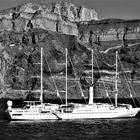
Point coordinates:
[[33, 117], [86, 112], [101, 114]]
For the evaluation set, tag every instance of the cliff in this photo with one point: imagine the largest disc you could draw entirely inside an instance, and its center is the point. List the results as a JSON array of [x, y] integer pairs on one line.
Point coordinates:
[[55, 17], [106, 30], [27, 28]]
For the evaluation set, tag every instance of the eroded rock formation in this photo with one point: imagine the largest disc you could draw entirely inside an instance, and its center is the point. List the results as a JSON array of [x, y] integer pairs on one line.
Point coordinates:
[[27, 28], [55, 17], [109, 30]]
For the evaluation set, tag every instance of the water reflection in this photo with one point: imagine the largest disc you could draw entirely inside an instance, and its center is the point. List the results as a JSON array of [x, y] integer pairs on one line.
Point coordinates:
[[72, 129]]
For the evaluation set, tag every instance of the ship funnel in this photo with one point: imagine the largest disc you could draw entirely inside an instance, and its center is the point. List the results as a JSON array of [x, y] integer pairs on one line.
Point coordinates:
[[9, 104], [90, 95]]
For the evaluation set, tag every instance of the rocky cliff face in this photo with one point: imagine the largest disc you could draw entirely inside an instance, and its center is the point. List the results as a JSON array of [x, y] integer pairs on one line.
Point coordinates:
[[55, 17], [27, 28], [109, 30]]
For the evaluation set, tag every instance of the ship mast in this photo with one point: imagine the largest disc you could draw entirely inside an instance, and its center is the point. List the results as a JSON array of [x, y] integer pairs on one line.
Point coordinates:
[[116, 80], [92, 78], [41, 94], [92, 66], [91, 92], [66, 77]]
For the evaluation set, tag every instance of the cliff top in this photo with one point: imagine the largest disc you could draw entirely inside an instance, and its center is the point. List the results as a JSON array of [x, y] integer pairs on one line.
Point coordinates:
[[69, 10]]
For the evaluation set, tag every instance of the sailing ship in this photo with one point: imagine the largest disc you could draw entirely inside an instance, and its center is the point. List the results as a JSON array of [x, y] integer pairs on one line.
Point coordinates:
[[46, 111]]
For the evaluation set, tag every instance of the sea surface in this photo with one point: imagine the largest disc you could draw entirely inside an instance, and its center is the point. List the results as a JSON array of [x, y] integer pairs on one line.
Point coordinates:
[[92, 129]]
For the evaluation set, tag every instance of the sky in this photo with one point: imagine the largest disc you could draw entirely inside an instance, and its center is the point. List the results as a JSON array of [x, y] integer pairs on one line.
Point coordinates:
[[123, 9]]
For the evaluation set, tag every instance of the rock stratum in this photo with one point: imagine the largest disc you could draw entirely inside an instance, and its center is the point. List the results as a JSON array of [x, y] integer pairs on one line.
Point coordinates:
[[27, 28]]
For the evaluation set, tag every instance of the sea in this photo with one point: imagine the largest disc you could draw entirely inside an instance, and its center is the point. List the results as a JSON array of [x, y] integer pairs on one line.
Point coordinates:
[[90, 129]]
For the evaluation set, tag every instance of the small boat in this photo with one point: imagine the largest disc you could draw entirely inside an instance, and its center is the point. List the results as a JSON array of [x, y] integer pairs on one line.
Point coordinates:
[[46, 111]]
